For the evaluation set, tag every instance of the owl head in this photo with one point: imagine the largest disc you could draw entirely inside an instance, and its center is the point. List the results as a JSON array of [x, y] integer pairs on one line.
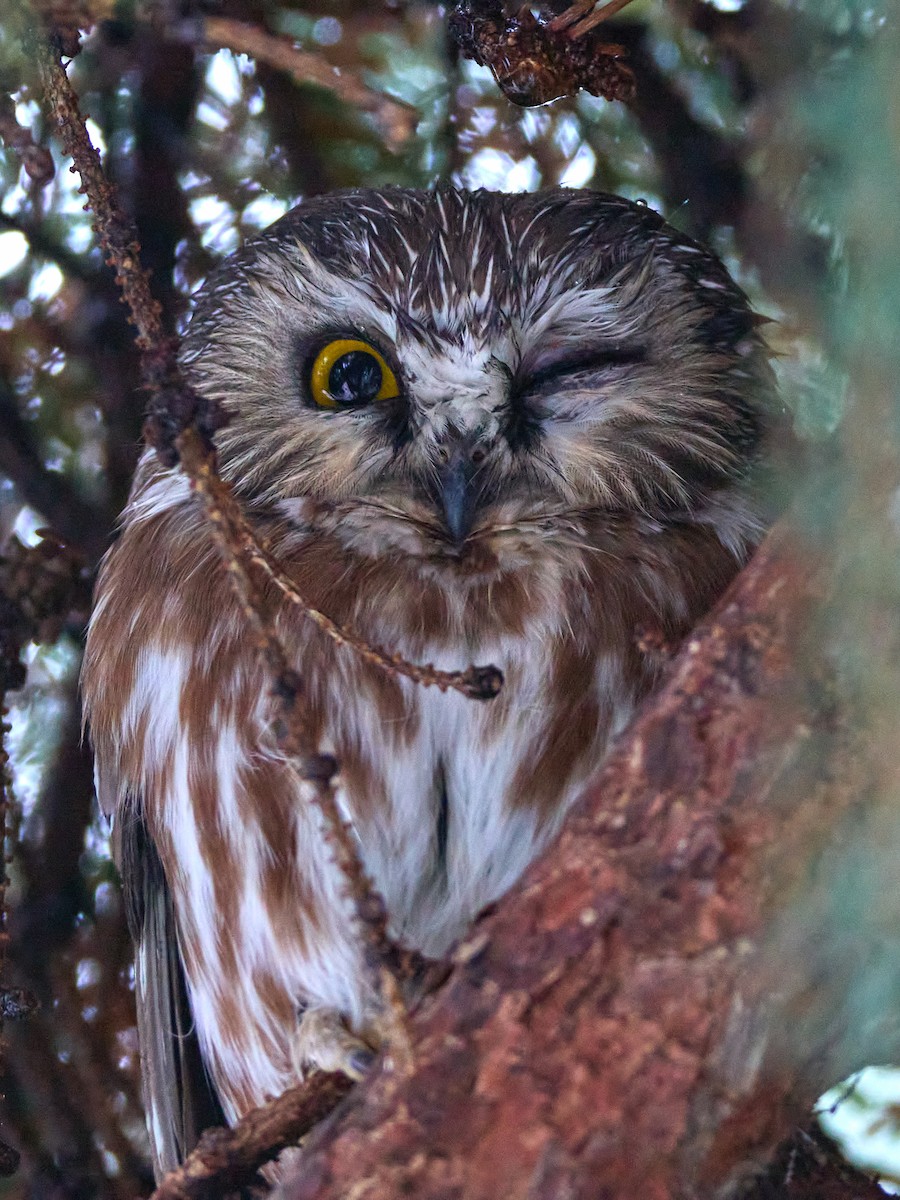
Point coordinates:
[[424, 373]]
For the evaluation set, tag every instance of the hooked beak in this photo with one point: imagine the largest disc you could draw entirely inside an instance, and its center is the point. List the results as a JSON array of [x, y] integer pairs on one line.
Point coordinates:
[[459, 490]]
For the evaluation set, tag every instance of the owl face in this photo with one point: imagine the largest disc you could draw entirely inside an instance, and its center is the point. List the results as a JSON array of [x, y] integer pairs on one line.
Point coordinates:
[[448, 374]]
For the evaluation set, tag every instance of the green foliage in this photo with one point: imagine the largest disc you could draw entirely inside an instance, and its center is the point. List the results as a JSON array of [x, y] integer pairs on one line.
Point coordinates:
[[805, 100]]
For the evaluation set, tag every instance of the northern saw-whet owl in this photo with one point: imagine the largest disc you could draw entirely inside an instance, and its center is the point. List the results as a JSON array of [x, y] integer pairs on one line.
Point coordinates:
[[474, 428]]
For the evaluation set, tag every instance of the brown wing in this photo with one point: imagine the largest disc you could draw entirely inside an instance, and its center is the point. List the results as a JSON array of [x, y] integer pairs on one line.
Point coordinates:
[[178, 1096]]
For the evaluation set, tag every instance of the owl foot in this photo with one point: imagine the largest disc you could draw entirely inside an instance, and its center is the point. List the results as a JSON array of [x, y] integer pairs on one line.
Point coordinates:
[[324, 1043]]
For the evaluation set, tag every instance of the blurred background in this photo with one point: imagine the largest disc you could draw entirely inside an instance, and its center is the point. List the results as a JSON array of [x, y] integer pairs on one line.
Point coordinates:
[[768, 128]]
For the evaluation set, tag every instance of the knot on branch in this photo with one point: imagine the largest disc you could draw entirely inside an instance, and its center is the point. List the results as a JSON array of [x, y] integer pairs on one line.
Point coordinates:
[[481, 683], [319, 768], [175, 406], [370, 909], [288, 686], [65, 19], [532, 60], [37, 160]]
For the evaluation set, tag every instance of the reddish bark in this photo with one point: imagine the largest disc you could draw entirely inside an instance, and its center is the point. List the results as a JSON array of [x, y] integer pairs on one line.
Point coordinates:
[[621, 1025], [227, 1159]]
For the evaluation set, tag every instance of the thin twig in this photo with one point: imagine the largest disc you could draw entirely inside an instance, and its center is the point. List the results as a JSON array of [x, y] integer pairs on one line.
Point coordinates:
[[227, 1159], [116, 233], [291, 730], [567, 19], [394, 119], [475, 683]]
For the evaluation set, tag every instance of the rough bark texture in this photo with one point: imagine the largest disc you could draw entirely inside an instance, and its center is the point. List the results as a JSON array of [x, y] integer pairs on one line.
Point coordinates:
[[623, 1025], [225, 1160]]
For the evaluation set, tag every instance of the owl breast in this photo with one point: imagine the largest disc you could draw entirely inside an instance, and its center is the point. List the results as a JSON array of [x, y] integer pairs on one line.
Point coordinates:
[[449, 798], [452, 798]]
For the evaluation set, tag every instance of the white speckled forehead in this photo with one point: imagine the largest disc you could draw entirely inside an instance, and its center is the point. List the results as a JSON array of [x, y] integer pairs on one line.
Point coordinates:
[[467, 318], [473, 267]]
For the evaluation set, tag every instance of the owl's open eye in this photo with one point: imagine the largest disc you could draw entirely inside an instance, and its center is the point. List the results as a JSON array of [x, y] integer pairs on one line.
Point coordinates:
[[348, 373]]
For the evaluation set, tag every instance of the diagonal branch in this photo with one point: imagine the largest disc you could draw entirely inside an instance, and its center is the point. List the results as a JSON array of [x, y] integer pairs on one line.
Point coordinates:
[[394, 119], [227, 1159]]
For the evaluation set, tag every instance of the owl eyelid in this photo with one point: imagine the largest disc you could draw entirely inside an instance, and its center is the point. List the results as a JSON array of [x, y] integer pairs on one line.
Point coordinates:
[[312, 346], [593, 360]]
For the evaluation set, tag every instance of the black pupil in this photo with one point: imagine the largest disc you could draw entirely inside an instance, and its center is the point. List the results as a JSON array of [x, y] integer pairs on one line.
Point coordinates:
[[355, 378]]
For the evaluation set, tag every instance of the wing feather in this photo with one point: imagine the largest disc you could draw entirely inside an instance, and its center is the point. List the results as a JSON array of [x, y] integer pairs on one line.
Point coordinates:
[[178, 1094]]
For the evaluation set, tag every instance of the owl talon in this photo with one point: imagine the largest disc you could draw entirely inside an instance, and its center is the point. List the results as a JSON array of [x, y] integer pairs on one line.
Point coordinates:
[[324, 1043], [361, 1060]]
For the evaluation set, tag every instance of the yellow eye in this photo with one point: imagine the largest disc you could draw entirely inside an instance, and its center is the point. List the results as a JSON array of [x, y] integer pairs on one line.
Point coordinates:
[[347, 373]]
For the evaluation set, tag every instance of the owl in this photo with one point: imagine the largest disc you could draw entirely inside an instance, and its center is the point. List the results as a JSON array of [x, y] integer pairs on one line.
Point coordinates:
[[474, 428]]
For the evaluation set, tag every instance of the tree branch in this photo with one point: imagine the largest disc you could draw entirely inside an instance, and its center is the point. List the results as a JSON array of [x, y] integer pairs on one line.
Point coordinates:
[[227, 1159], [394, 119], [656, 973]]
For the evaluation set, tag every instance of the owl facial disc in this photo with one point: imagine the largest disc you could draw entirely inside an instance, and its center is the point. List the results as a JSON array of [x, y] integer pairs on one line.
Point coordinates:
[[456, 379]]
